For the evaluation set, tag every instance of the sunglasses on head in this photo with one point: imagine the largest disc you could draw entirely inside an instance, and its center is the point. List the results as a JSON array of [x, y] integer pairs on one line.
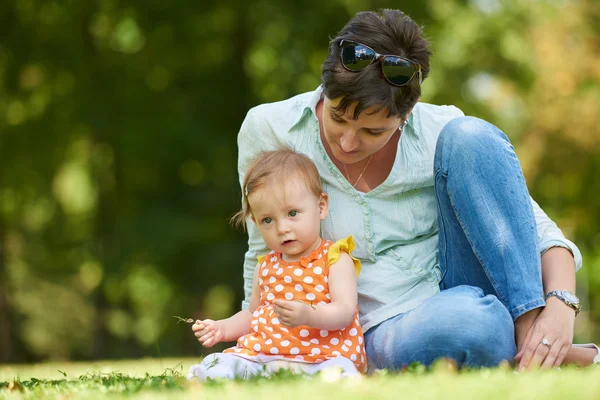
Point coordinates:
[[398, 71]]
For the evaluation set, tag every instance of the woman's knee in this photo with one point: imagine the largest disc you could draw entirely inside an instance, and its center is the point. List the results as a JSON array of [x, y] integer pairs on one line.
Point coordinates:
[[472, 327], [477, 323], [468, 138]]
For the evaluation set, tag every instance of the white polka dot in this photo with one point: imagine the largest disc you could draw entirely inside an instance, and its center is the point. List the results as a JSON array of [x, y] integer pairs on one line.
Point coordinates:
[[278, 288], [260, 281], [277, 335], [266, 288], [305, 343], [310, 296], [269, 341], [314, 340], [323, 333], [272, 279], [299, 358], [262, 320], [308, 279], [334, 341], [254, 322], [336, 353], [298, 288], [289, 296], [321, 303], [309, 265], [298, 272], [279, 271], [273, 258], [348, 342], [264, 335], [257, 347], [345, 348], [286, 343], [328, 296], [284, 329], [326, 279], [319, 288], [353, 357], [319, 256], [276, 265], [246, 342], [275, 350], [353, 332], [287, 279], [275, 321], [304, 333], [360, 340], [315, 351], [255, 314], [255, 328], [265, 272], [318, 270], [262, 311], [358, 348], [326, 347], [269, 328], [270, 296], [263, 264]]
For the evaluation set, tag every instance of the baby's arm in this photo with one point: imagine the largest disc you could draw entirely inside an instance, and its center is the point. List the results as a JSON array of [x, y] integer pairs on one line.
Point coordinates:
[[333, 316], [211, 332]]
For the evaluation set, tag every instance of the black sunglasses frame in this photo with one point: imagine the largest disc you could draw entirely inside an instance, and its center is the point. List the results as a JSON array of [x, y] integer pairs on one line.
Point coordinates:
[[381, 57]]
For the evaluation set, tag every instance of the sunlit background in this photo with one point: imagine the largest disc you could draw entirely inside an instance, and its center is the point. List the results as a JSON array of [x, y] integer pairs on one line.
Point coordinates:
[[118, 124]]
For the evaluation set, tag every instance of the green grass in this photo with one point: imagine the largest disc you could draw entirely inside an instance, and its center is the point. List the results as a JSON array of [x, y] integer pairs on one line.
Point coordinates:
[[165, 378]]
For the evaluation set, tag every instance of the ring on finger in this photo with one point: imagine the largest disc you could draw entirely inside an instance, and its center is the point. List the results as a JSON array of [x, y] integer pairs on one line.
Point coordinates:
[[546, 342]]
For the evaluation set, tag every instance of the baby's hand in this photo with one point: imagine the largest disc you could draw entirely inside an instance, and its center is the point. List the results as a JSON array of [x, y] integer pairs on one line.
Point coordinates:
[[292, 313], [208, 332]]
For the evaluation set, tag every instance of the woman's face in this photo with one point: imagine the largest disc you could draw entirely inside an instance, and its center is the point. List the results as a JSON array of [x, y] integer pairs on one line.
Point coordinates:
[[353, 140]]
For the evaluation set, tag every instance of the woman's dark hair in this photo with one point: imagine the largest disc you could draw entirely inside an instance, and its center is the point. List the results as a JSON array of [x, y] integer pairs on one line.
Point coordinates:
[[386, 32]]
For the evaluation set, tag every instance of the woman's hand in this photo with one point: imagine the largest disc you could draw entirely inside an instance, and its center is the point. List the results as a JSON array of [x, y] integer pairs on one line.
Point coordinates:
[[555, 324], [208, 332], [292, 313]]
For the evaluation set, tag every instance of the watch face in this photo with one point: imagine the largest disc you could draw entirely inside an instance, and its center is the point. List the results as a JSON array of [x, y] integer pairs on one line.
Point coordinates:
[[570, 297]]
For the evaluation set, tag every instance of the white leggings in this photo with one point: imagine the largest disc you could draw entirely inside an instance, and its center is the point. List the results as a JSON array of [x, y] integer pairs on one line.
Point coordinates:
[[220, 365]]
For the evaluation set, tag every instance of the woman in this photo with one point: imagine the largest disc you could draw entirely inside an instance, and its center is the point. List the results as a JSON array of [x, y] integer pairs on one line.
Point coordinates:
[[458, 261]]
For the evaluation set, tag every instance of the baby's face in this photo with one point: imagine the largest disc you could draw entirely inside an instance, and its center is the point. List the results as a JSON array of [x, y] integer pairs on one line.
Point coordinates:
[[288, 216]]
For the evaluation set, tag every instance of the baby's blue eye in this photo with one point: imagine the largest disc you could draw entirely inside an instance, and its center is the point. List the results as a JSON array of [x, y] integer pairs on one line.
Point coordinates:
[[293, 213], [267, 220]]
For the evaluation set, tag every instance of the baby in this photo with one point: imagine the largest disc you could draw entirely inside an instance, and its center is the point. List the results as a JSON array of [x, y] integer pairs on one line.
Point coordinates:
[[303, 311]]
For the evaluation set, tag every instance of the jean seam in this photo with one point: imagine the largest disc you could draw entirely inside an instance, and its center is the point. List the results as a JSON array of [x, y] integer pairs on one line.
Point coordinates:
[[492, 281], [516, 312]]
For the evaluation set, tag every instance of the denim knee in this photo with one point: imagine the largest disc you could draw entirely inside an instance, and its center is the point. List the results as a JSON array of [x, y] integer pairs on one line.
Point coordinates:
[[459, 323], [465, 138], [487, 337]]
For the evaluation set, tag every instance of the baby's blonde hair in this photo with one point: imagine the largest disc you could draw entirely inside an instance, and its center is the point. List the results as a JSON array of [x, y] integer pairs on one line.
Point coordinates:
[[273, 165]]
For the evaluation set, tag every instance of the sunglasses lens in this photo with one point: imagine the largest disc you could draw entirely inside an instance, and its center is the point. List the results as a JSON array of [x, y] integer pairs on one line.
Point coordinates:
[[356, 57], [397, 71]]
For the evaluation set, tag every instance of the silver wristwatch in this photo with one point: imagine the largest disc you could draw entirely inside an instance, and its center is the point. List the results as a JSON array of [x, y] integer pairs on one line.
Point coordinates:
[[566, 297]]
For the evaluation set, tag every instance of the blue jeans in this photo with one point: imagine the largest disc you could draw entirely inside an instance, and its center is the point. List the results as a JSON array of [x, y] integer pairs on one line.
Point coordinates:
[[488, 252]]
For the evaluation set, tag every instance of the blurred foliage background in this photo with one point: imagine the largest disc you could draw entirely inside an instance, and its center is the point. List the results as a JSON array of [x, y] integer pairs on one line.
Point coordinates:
[[118, 124]]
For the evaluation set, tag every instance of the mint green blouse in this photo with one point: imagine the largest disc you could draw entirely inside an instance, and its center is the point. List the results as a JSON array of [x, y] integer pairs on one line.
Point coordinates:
[[394, 225]]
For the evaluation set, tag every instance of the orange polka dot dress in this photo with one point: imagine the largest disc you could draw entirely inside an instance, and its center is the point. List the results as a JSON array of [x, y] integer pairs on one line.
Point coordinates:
[[306, 281]]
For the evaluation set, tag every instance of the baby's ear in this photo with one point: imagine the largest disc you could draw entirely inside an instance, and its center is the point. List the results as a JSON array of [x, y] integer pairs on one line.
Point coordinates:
[[323, 206]]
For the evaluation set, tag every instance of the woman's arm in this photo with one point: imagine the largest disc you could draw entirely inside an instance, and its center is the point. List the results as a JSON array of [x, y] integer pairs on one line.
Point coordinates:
[[333, 316], [550, 236]]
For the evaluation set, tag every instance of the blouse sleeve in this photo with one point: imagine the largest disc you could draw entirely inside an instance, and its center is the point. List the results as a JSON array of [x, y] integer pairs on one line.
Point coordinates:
[[550, 235], [346, 245]]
